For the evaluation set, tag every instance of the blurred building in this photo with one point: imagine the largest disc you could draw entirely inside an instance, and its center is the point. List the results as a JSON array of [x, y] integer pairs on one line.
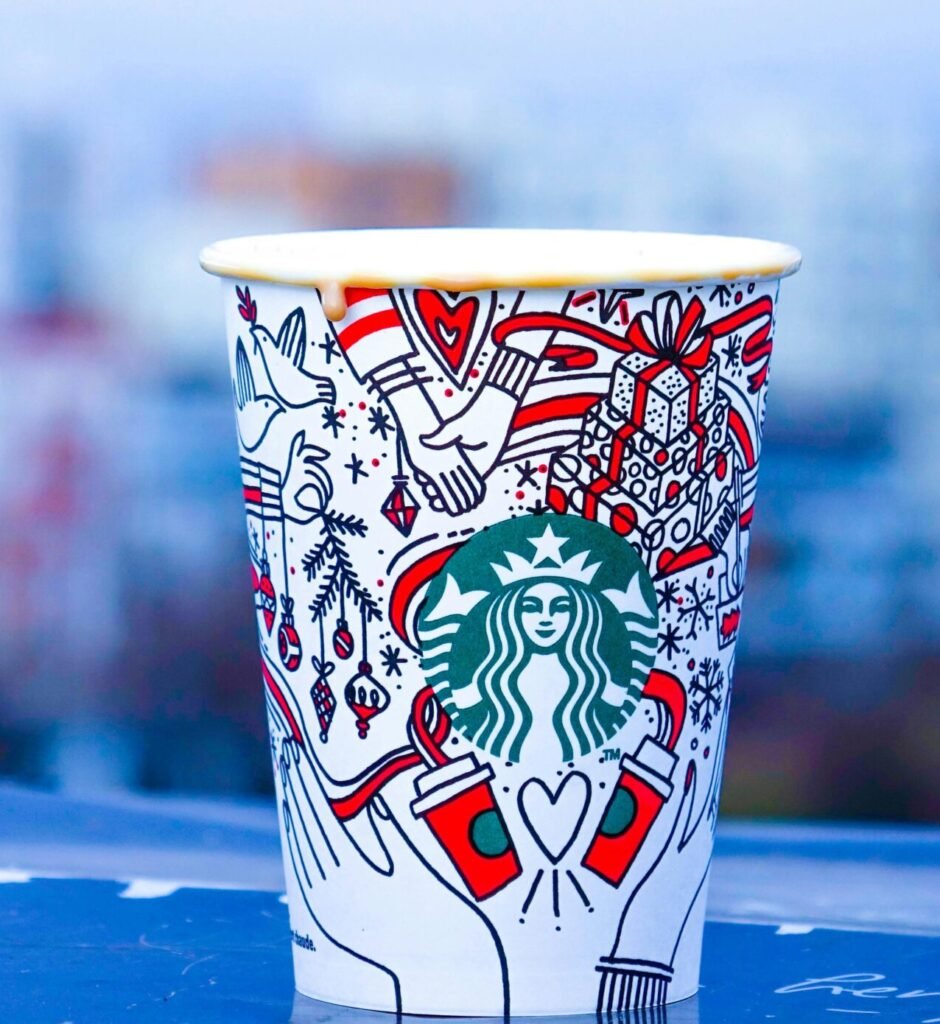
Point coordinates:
[[328, 190], [127, 656]]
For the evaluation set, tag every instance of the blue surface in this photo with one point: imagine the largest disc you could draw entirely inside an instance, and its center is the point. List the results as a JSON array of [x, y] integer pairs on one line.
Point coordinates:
[[74, 951], [82, 951]]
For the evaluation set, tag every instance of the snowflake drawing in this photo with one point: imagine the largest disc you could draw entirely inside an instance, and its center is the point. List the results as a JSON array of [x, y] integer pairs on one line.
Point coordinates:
[[669, 641], [392, 660], [380, 422], [705, 693], [696, 608], [332, 421], [668, 596]]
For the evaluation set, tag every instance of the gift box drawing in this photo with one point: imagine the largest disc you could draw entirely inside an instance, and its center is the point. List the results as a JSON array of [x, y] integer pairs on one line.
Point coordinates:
[[672, 374], [656, 461]]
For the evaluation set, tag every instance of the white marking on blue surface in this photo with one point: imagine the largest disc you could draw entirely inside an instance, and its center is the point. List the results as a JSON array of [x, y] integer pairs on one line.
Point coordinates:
[[795, 929]]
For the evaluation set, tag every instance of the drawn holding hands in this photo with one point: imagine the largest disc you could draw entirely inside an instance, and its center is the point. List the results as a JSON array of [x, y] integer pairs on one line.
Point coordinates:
[[453, 457], [450, 481], [478, 432], [445, 472]]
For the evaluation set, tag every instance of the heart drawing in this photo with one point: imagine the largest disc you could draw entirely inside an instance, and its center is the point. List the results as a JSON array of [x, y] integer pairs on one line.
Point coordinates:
[[554, 819], [449, 327]]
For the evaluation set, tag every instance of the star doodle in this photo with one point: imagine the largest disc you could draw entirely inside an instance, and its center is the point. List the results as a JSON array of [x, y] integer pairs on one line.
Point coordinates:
[[669, 641], [329, 347], [722, 293], [548, 546], [526, 474], [696, 609], [667, 597], [392, 660], [380, 422], [732, 351], [354, 466], [539, 508], [332, 421]]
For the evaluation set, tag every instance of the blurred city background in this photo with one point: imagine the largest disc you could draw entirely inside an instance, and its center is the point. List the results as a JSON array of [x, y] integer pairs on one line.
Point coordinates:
[[131, 135]]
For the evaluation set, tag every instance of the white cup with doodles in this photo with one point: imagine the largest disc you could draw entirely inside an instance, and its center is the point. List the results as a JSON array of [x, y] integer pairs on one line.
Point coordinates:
[[500, 492]]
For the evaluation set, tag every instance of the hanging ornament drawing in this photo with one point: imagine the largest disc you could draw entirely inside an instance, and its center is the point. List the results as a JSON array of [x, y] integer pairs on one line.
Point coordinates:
[[365, 696], [267, 599], [401, 507], [288, 640], [324, 703], [254, 487], [343, 643]]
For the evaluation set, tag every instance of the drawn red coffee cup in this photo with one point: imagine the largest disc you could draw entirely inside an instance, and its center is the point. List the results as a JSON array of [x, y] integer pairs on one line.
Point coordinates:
[[459, 806]]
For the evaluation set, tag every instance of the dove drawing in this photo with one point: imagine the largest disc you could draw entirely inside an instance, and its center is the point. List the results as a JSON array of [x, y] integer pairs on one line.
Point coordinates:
[[283, 359], [255, 413]]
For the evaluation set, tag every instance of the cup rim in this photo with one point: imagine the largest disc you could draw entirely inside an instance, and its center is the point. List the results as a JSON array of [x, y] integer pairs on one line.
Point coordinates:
[[470, 259]]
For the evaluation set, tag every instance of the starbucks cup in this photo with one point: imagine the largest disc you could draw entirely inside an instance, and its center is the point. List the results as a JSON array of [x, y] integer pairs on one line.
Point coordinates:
[[500, 494]]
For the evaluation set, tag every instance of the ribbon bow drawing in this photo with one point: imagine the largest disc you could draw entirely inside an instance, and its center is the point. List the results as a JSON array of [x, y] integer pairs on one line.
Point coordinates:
[[670, 333]]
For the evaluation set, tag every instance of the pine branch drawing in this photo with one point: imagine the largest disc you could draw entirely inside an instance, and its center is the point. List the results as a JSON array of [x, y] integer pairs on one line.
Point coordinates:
[[348, 524], [329, 564], [316, 558]]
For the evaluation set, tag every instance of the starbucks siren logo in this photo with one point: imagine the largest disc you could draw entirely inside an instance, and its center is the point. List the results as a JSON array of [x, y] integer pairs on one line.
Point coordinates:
[[530, 647]]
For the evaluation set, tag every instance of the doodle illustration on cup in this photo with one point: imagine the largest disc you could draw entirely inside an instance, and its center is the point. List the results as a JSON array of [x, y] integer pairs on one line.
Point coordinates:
[[498, 535]]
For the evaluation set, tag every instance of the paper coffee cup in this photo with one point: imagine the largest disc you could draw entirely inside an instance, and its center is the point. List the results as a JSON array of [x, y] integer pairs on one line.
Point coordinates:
[[500, 493]]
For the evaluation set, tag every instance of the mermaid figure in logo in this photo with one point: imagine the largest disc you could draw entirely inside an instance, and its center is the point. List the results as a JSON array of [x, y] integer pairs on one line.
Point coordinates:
[[539, 677]]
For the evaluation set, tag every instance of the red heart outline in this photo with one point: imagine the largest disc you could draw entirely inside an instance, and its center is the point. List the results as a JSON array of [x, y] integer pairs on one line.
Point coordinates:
[[455, 322]]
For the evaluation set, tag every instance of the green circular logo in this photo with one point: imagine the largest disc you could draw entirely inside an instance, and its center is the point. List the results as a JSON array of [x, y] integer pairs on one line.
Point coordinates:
[[539, 634]]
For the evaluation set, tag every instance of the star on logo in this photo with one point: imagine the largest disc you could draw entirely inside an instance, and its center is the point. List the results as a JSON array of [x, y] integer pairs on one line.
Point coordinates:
[[547, 549], [548, 546]]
